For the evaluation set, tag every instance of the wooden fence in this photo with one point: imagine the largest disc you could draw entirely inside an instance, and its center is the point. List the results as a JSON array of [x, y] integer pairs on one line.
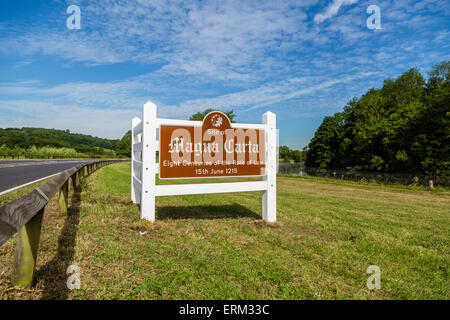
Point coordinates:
[[24, 215]]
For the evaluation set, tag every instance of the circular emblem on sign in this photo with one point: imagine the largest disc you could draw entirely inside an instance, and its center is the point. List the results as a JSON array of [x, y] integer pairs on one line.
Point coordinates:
[[216, 120]]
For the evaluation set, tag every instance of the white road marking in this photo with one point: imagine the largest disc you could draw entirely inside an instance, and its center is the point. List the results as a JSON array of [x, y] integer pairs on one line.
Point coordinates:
[[34, 163], [27, 184]]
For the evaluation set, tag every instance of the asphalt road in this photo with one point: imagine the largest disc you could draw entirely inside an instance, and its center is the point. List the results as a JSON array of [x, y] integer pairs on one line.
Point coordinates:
[[14, 173]]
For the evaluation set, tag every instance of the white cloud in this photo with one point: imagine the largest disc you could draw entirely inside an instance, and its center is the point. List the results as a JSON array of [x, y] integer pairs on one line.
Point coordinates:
[[36, 113], [332, 10], [209, 39], [105, 108], [247, 55]]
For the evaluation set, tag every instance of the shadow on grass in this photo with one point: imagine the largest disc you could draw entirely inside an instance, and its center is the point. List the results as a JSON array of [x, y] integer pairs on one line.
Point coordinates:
[[232, 211], [53, 274]]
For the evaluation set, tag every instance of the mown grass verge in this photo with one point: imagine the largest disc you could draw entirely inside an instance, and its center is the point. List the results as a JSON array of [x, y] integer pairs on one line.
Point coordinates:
[[5, 198], [217, 246]]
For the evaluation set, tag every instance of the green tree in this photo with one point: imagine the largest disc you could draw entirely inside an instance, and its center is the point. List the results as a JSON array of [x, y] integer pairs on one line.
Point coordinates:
[[124, 145], [284, 153], [297, 156], [430, 145], [401, 127], [323, 150], [439, 74]]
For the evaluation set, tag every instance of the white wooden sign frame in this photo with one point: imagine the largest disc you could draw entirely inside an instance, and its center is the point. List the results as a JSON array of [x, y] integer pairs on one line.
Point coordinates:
[[144, 167]]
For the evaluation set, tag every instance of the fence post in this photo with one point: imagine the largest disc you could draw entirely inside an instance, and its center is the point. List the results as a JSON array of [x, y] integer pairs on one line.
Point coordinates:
[[134, 123], [269, 197], [148, 161], [63, 197], [74, 181], [26, 251]]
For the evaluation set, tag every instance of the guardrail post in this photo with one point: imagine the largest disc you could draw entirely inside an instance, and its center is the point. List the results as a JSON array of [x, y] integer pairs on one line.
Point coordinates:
[[26, 251], [74, 181], [77, 174], [269, 198], [63, 197]]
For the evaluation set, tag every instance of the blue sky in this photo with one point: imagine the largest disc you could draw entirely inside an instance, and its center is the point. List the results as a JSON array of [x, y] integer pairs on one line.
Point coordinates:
[[302, 60]]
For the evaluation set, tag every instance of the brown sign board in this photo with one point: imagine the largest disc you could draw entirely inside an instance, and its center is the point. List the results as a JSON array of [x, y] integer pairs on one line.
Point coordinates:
[[213, 150]]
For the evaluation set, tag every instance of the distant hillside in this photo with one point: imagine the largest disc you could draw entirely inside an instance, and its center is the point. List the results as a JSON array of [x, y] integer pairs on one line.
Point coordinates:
[[39, 137]]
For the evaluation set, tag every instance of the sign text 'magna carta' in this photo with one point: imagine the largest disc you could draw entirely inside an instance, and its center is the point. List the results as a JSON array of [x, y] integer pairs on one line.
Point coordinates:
[[215, 149]]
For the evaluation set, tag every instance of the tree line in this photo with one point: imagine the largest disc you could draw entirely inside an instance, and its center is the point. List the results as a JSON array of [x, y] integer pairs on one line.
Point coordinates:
[[287, 155], [28, 140], [402, 127]]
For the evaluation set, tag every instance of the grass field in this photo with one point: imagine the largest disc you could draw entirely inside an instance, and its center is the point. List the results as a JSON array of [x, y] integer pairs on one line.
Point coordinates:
[[217, 247]]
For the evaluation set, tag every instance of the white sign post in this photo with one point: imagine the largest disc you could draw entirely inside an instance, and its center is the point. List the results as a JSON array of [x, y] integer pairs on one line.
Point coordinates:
[[144, 166]]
